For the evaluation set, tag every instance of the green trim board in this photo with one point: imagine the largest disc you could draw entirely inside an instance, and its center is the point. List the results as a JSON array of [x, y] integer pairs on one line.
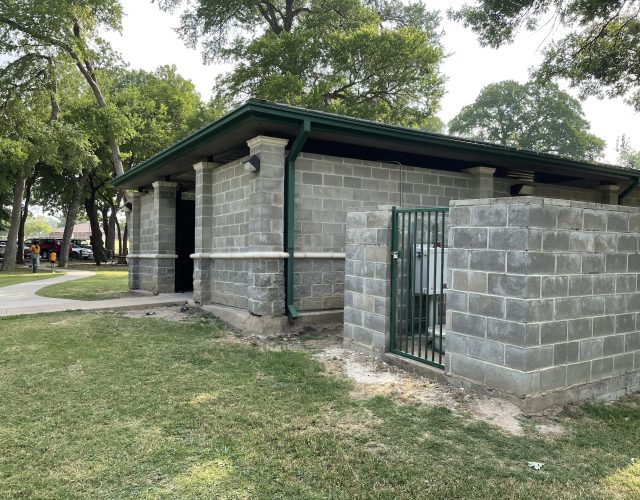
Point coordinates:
[[288, 118]]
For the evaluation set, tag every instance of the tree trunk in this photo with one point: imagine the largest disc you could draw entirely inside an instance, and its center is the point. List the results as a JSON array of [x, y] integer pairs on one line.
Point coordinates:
[[119, 237], [71, 217], [99, 253], [111, 225], [125, 240], [23, 217], [9, 262]]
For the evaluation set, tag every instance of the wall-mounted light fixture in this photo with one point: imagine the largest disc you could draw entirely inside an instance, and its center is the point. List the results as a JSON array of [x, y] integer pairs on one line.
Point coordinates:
[[252, 164]]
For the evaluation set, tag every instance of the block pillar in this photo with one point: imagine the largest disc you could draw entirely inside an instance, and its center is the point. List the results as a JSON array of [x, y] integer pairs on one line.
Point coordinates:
[[133, 230], [266, 227], [481, 181], [610, 194], [367, 286], [164, 226], [205, 172]]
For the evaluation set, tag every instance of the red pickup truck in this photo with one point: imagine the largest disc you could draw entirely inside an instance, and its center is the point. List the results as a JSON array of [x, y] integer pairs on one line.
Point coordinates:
[[47, 245]]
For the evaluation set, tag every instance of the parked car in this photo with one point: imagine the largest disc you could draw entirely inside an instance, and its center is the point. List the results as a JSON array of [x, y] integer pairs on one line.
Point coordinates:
[[81, 252], [47, 245]]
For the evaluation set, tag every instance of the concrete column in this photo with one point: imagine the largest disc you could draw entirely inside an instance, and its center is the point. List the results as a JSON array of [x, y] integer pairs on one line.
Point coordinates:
[[164, 227], [204, 230], [134, 241], [266, 226], [367, 286], [482, 181], [610, 194]]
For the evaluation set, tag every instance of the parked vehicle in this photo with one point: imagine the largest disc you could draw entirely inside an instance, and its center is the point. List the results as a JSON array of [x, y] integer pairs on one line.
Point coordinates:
[[47, 245], [81, 252]]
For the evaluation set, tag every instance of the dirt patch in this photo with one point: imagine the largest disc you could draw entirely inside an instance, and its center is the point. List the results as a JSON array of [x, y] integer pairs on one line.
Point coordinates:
[[169, 313]]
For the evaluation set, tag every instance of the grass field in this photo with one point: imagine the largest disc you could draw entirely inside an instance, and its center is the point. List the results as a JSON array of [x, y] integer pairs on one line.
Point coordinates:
[[104, 406], [108, 283], [23, 275]]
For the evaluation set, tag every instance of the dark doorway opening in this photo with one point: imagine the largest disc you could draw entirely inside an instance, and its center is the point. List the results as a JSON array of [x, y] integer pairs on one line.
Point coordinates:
[[185, 240]]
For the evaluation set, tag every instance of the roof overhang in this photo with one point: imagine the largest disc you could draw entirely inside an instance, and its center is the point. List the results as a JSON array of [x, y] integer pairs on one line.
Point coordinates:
[[225, 140]]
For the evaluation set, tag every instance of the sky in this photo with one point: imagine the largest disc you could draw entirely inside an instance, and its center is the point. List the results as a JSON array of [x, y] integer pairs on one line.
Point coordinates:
[[149, 40]]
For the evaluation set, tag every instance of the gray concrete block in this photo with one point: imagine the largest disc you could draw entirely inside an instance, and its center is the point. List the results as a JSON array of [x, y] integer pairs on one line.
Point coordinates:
[[633, 263], [593, 263], [605, 242], [516, 310], [614, 304], [511, 381], [616, 263], [625, 283], [603, 284], [581, 242], [539, 310], [467, 367], [457, 301], [591, 348], [554, 286], [487, 260], [601, 368], [580, 328], [632, 342], [568, 308], [625, 323], [578, 373], [555, 241], [628, 243], [568, 263], [468, 324], [623, 363], [566, 353], [553, 332], [470, 237], [486, 305], [507, 332], [613, 345], [594, 220], [604, 325], [553, 378], [592, 306], [489, 216], [569, 218], [617, 221], [519, 286], [459, 216], [508, 239], [483, 349], [528, 359], [456, 343]]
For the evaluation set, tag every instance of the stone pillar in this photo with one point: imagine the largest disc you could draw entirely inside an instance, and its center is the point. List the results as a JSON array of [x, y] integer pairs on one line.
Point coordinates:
[[367, 286], [164, 229], [610, 194], [133, 230], [266, 226], [204, 231], [481, 181]]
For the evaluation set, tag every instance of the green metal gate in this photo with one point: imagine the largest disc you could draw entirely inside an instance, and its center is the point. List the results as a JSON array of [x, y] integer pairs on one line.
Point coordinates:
[[418, 282]]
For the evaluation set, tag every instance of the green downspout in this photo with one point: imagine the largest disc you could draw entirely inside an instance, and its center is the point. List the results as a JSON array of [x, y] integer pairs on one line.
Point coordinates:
[[289, 214], [630, 188]]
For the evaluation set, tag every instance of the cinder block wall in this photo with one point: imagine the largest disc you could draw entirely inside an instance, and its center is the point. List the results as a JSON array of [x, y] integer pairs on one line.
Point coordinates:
[[328, 187], [544, 298], [367, 281]]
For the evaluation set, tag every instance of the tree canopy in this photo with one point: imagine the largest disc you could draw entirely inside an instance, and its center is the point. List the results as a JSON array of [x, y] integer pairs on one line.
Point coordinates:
[[378, 59], [530, 116], [599, 52]]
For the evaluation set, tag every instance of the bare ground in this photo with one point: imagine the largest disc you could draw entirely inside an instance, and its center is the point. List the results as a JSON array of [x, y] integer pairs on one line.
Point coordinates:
[[376, 378]]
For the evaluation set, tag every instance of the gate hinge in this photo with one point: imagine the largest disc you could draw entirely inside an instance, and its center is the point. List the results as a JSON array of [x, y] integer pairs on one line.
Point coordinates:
[[394, 255]]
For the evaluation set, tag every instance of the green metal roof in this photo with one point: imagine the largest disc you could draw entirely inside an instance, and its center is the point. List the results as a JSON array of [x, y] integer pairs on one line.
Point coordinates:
[[348, 129]]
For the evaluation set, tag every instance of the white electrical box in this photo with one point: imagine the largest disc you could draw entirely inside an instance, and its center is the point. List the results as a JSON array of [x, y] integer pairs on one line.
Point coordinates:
[[429, 261]]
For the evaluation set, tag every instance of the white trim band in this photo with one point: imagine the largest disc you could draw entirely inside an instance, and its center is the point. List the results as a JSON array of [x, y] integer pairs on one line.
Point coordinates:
[[268, 255], [153, 256]]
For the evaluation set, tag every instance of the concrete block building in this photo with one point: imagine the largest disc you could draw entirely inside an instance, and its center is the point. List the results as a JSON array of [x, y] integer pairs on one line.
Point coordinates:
[[275, 216]]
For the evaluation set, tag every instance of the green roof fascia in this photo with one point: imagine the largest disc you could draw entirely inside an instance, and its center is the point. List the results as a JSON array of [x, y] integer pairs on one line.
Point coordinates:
[[345, 125]]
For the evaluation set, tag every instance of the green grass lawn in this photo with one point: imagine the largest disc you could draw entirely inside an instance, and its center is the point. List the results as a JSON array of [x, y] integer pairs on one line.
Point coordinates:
[[96, 405], [22, 275], [108, 283]]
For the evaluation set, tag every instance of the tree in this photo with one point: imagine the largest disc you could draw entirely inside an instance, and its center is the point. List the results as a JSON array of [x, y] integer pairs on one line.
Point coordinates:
[[599, 52], [377, 60], [37, 226], [530, 116], [627, 156]]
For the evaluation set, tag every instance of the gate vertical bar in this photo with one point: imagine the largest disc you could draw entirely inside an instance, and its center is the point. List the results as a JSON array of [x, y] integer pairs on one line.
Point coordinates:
[[421, 287], [435, 286], [440, 344], [394, 273]]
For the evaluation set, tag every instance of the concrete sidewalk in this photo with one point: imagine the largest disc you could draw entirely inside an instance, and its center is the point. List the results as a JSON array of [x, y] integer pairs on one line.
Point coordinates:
[[22, 298]]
